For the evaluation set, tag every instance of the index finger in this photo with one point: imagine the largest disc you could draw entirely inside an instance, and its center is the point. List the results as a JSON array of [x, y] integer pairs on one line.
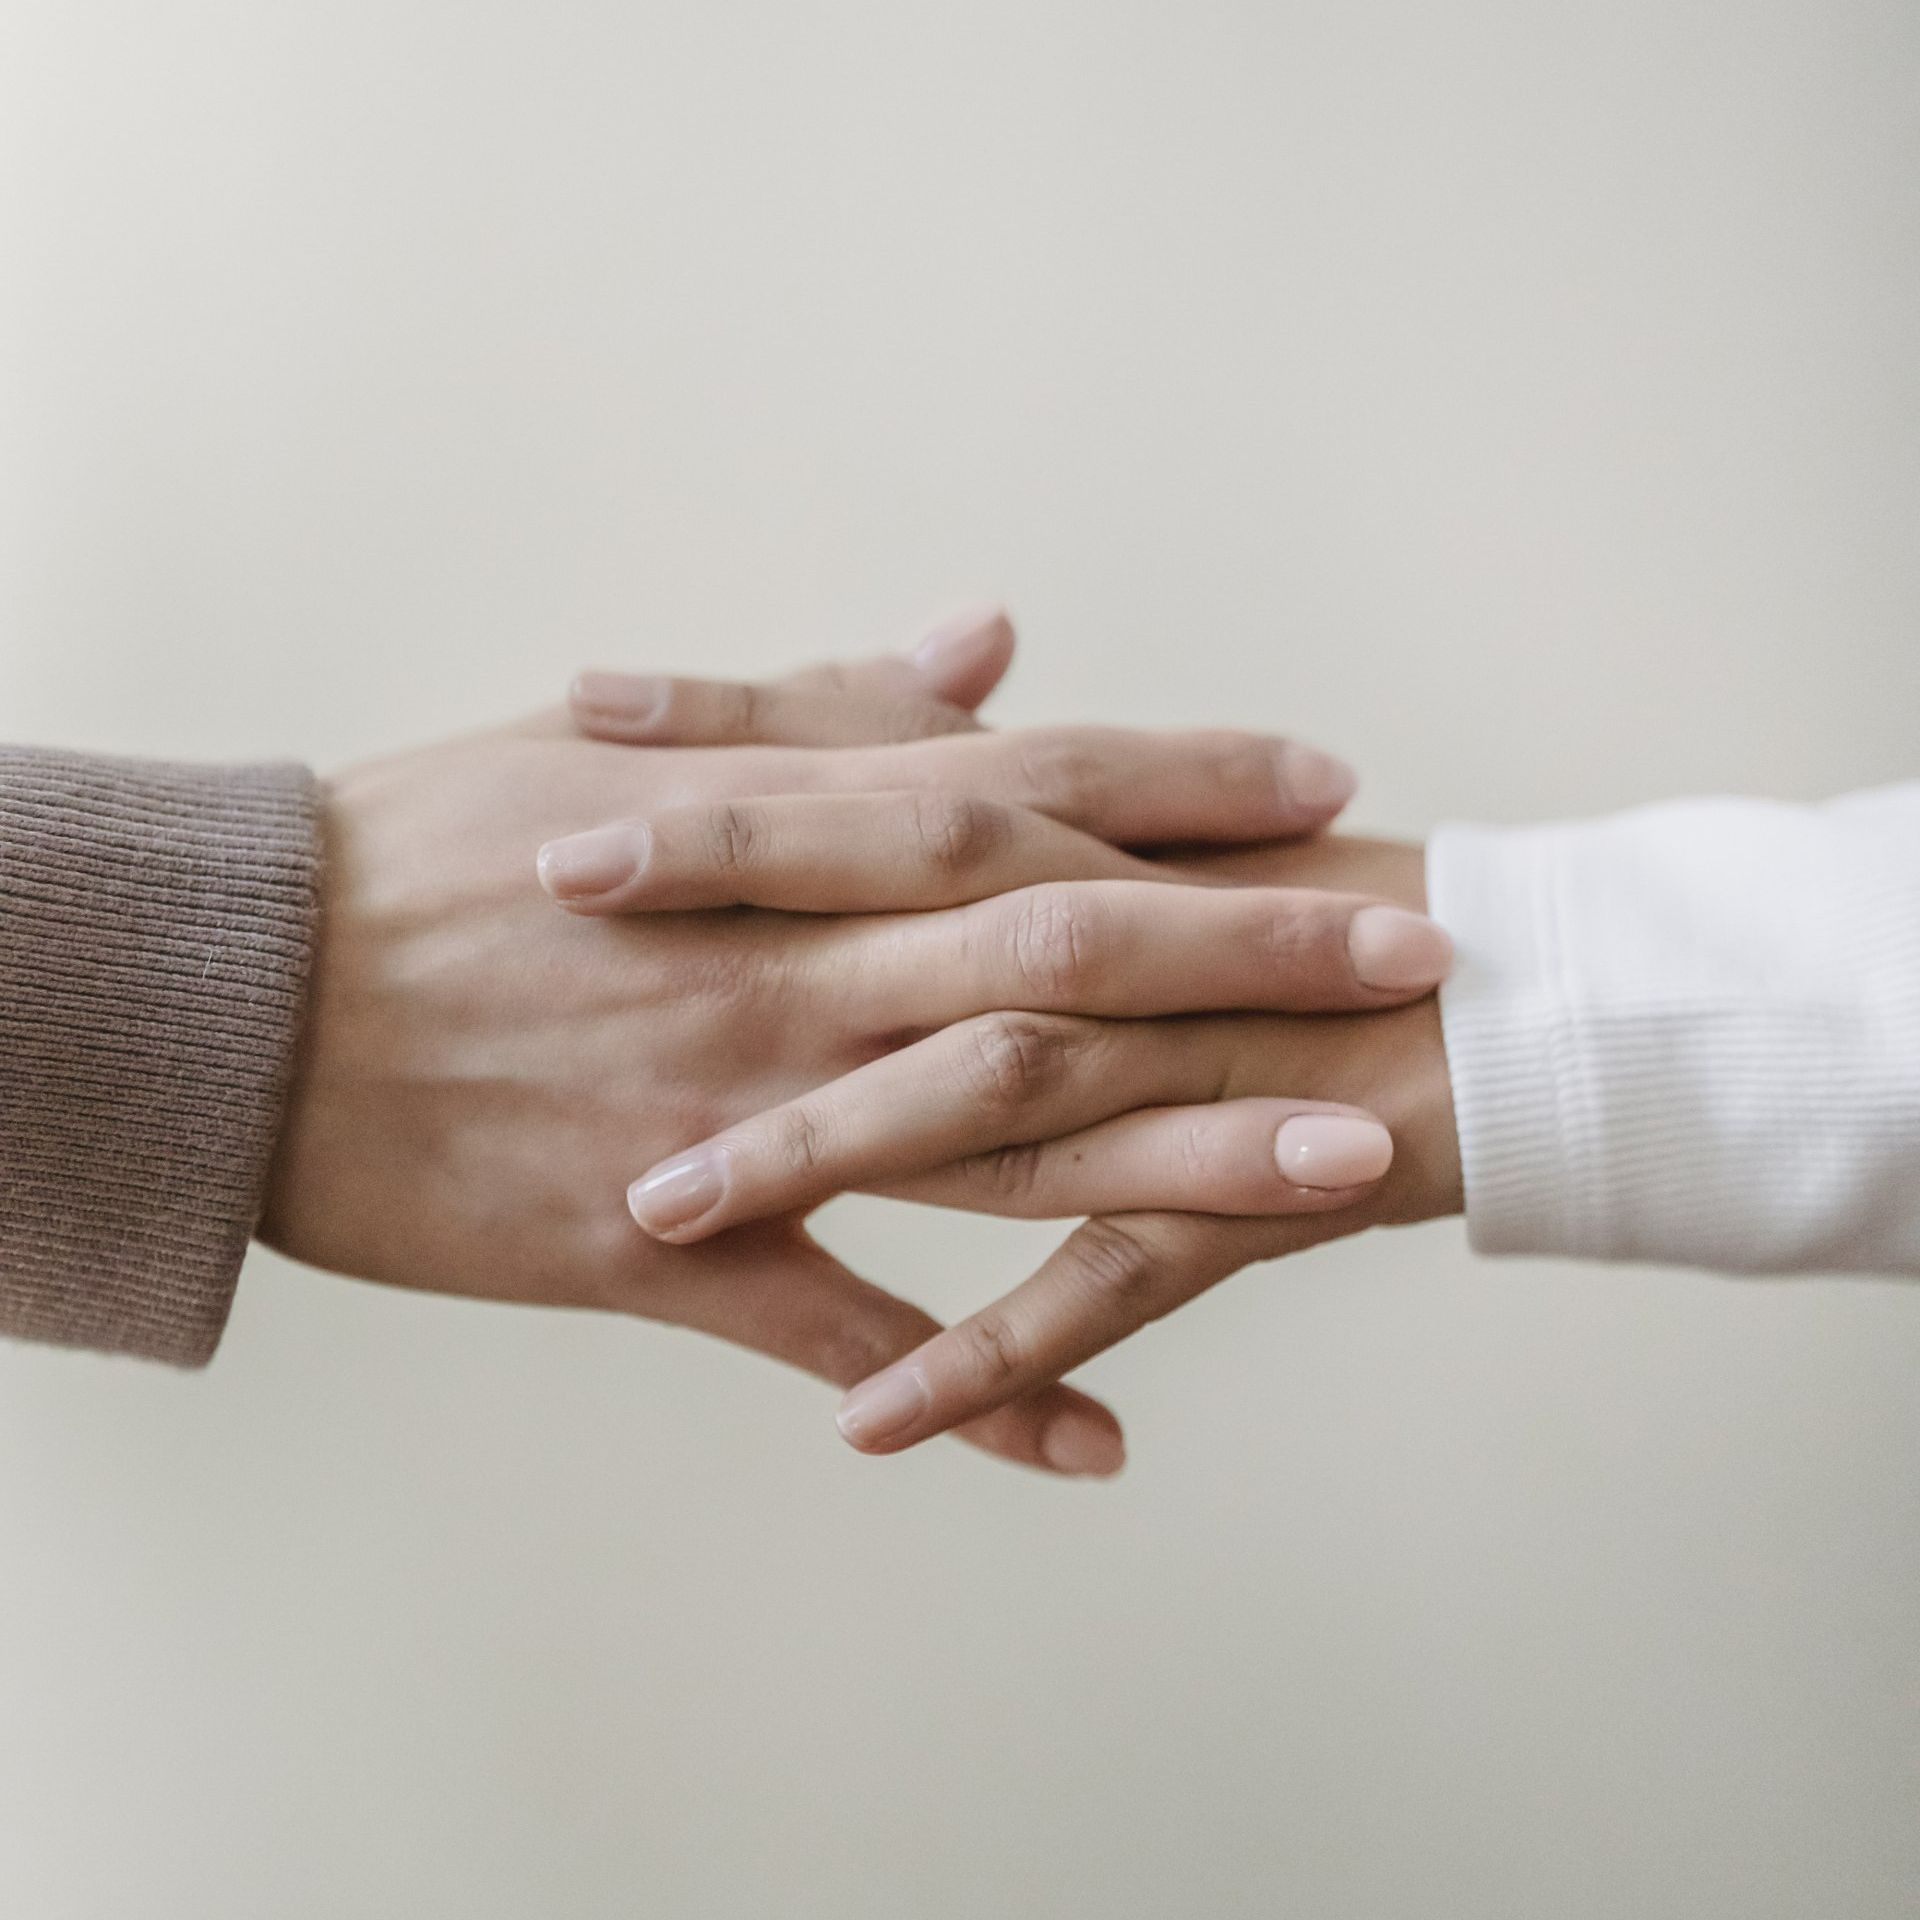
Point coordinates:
[[1106, 1280], [1132, 788]]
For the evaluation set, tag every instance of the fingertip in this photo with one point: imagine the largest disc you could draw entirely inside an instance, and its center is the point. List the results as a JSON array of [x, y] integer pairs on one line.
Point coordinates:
[[1317, 784], [1394, 950], [616, 706], [1332, 1152], [676, 1200], [1084, 1443], [581, 871], [881, 1413], [967, 655]]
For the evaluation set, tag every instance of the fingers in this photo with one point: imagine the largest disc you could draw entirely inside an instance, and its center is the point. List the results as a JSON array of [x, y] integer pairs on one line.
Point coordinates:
[[1005, 1081], [1258, 1157], [662, 710], [986, 1083], [961, 660], [1131, 788], [1133, 948], [823, 853], [1107, 1280], [778, 1292], [932, 691]]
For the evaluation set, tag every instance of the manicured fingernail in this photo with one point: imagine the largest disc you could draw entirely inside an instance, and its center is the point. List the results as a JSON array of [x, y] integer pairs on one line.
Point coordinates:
[[1395, 951], [1078, 1443], [1316, 782], [678, 1191], [631, 699], [586, 864], [883, 1408], [960, 640], [1326, 1150]]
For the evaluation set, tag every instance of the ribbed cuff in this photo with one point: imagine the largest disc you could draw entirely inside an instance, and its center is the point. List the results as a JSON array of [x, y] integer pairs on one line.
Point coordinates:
[[1690, 1033], [156, 927], [1513, 1049]]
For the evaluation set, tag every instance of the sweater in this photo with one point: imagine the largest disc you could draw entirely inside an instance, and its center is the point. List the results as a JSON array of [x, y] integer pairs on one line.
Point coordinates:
[[1689, 1034], [156, 929]]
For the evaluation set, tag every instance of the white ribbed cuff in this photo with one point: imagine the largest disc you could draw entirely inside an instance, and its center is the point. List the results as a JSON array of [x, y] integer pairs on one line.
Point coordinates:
[[1690, 1034], [1512, 1050]]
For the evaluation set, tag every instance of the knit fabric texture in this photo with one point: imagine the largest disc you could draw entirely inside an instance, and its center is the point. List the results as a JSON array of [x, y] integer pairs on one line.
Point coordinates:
[[156, 929]]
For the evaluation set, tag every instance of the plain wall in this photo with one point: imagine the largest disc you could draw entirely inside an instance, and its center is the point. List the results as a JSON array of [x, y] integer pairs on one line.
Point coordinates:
[[1521, 399]]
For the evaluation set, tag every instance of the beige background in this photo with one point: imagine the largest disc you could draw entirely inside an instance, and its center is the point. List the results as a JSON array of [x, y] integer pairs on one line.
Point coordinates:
[[1523, 399]]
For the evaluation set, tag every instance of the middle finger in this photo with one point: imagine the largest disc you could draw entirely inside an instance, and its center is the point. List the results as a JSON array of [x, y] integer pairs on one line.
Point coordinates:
[[1136, 948]]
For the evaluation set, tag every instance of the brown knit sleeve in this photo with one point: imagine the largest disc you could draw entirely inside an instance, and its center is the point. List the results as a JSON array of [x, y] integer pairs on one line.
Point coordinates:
[[156, 924]]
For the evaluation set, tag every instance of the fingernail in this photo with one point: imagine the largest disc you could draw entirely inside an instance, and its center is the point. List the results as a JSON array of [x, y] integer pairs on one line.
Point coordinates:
[[678, 1191], [1395, 951], [1315, 781], [960, 640], [585, 864], [1077, 1443], [883, 1408], [1327, 1150], [631, 698]]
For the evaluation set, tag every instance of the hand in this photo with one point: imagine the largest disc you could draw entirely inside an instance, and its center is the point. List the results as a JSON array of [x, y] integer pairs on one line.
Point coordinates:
[[891, 1127], [479, 1072]]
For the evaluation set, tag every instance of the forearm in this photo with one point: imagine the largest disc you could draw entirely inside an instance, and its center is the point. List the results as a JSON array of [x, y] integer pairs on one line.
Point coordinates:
[[155, 929], [1691, 1033]]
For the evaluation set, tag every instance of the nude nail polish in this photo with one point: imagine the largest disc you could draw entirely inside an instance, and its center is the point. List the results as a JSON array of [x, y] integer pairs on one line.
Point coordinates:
[[1395, 951], [960, 640], [587, 864], [1326, 1151], [1316, 783], [1077, 1443], [884, 1408], [631, 699], [678, 1191]]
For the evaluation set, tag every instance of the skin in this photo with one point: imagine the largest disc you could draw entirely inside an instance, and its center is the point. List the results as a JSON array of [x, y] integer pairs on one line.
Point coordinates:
[[1103, 1125], [1114, 1275], [890, 1128], [479, 1073]]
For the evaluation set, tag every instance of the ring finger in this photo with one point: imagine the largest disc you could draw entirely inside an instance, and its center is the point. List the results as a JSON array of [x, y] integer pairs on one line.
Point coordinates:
[[824, 853], [1007, 1080], [1137, 948]]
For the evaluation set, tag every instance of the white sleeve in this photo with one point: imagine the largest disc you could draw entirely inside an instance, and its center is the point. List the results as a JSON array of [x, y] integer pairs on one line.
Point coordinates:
[[1691, 1034]]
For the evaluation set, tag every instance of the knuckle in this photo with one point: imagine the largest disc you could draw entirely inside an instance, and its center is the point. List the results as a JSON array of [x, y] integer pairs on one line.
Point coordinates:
[[1281, 938], [994, 1353], [1057, 772], [734, 834], [1298, 945], [1196, 1163], [740, 710], [846, 1353], [1048, 941], [956, 834], [1246, 769], [801, 1139], [836, 677], [1015, 1059], [910, 719], [1012, 1174], [1120, 1264]]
